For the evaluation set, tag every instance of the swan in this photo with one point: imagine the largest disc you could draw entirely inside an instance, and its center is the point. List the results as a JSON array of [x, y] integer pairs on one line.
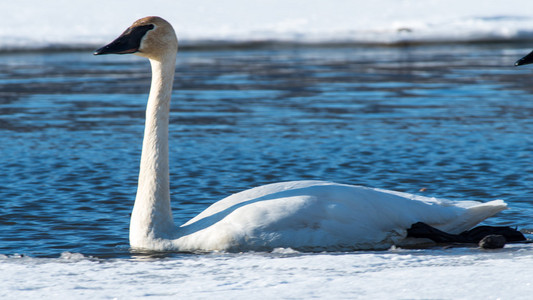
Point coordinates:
[[302, 215]]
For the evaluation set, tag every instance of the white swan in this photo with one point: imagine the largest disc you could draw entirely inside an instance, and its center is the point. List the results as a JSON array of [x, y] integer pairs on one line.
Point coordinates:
[[304, 215]]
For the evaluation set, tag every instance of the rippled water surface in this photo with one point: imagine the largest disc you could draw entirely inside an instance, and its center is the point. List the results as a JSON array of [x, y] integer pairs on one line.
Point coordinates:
[[455, 121]]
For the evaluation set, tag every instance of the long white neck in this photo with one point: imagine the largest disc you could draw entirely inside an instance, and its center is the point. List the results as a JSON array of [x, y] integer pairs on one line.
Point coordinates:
[[151, 218]]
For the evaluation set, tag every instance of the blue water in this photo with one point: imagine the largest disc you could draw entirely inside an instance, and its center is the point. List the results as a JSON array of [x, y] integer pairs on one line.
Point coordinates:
[[455, 121]]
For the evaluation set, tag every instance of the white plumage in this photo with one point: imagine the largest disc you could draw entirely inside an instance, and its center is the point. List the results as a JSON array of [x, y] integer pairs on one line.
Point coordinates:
[[319, 215]]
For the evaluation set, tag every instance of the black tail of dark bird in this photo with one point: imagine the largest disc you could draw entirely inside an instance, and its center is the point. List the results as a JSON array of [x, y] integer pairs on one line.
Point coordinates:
[[474, 235]]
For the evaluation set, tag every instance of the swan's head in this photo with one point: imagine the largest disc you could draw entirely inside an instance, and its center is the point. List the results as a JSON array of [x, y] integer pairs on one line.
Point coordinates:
[[150, 37], [528, 59]]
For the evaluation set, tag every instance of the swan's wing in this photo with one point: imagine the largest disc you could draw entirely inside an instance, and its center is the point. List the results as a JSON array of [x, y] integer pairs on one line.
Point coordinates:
[[254, 194], [317, 214]]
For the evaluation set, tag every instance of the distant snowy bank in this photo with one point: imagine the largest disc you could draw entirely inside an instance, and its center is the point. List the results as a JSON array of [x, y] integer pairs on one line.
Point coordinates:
[[61, 24]]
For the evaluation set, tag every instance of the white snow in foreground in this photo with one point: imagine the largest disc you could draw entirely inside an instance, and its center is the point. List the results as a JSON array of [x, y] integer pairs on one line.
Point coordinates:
[[36, 23], [457, 273]]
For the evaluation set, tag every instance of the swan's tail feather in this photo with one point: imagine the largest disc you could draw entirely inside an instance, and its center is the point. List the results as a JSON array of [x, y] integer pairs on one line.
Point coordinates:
[[473, 215]]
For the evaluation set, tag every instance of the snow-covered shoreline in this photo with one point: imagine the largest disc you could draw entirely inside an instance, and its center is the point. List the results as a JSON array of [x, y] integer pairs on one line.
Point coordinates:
[[457, 273]]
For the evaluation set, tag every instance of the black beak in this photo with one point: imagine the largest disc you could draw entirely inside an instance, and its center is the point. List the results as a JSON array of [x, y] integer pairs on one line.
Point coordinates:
[[128, 42], [528, 59]]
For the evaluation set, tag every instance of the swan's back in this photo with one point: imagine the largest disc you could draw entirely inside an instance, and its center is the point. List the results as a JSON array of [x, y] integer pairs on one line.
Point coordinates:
[[319, 215]]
